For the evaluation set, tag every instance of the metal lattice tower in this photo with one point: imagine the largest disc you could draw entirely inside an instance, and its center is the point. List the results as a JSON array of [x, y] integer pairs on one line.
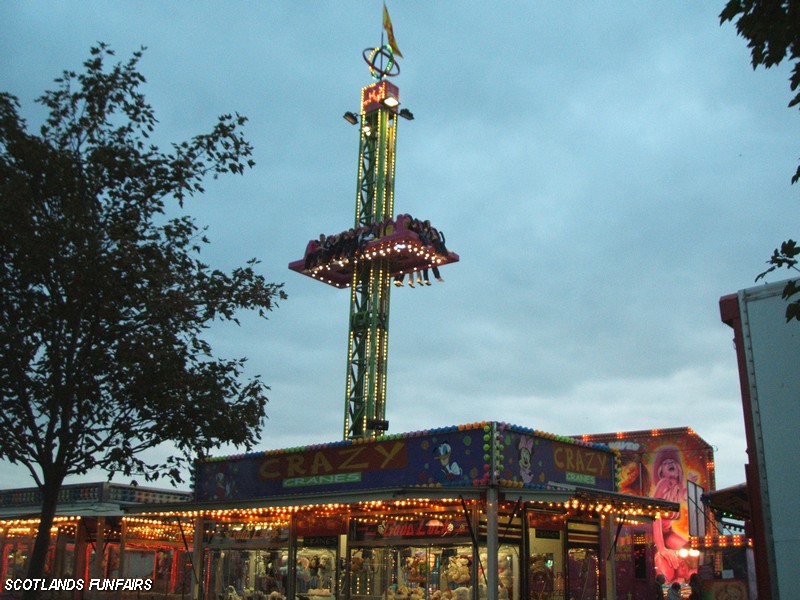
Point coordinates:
[[397, 246], [368, 343]]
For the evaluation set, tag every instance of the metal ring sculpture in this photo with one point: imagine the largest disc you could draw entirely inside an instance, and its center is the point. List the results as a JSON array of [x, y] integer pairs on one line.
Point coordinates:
[[371, 57]]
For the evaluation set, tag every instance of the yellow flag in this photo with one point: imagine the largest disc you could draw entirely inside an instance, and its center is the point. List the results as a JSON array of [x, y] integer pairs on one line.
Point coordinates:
[[387, 25]]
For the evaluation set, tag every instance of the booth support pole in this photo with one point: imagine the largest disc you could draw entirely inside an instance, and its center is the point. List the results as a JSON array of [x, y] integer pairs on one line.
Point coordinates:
[[492, 543], [197, 558]]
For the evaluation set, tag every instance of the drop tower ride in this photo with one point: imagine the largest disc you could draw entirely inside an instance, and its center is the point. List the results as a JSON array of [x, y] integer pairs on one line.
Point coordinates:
[[377, 249]]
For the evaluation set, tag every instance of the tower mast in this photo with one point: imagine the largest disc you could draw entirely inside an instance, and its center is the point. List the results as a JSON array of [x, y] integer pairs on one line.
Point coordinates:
[[368, 341], [378, 248]]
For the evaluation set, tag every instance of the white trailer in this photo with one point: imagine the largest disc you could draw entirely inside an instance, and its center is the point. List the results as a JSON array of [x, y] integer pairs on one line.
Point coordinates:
[[768, 355]]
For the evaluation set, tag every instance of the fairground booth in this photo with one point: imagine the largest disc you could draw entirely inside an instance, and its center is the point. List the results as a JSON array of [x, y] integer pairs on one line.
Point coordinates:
[[485, 510], [730, 550], [91, 516], [676, 464]]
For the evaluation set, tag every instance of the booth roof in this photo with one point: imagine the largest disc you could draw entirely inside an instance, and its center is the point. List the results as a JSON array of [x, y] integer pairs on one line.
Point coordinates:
[[569, 497], [606, 438], [733, 501], [480, 425], [87, 499]]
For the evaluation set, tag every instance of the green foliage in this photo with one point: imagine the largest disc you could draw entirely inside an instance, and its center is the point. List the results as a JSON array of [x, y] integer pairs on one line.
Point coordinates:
[[785, 257], [772, 31], [104, 300]]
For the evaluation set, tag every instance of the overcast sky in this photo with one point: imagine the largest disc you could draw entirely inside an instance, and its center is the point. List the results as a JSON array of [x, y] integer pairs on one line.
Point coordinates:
[[606, 171]]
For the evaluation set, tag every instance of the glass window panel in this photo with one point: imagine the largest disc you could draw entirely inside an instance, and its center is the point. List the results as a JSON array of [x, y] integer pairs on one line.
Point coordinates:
[[246, 574], [584, 573], [316, 571]]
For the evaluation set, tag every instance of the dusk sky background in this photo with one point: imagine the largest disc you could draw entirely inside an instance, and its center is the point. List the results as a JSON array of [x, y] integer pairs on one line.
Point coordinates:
[[605, 170]]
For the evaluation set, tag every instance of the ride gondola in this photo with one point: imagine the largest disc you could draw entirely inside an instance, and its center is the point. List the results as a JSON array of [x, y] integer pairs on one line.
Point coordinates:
[[396, 240]]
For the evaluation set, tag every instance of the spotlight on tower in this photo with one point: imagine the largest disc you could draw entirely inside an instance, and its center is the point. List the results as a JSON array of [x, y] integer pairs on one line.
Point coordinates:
[[350, 117], [407, 114], [378, 424]]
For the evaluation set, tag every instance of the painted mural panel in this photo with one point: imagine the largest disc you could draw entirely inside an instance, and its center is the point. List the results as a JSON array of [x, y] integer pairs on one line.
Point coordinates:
[[661, 464], [538, 458], [449, 456], [454, 456]]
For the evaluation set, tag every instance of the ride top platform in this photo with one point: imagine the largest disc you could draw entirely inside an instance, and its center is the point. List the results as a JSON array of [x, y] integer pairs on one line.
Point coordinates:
[[394, 240]]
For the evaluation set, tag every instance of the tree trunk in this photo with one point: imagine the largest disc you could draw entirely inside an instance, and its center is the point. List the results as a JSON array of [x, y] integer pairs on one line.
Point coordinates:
[[50, 490]]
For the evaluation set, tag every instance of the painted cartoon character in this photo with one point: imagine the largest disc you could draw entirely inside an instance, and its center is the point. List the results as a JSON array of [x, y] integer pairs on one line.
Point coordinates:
[[450, 469], [525, 453], [222, 488]]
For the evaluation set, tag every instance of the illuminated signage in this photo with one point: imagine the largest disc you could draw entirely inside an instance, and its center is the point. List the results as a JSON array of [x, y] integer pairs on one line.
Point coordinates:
[[374, 96], [322, 480], [440, 527], [312, 465], [577, 461]]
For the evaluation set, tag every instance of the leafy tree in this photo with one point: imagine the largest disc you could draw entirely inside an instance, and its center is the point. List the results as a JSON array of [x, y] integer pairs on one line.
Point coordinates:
[[104, 300], [772, 31]]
